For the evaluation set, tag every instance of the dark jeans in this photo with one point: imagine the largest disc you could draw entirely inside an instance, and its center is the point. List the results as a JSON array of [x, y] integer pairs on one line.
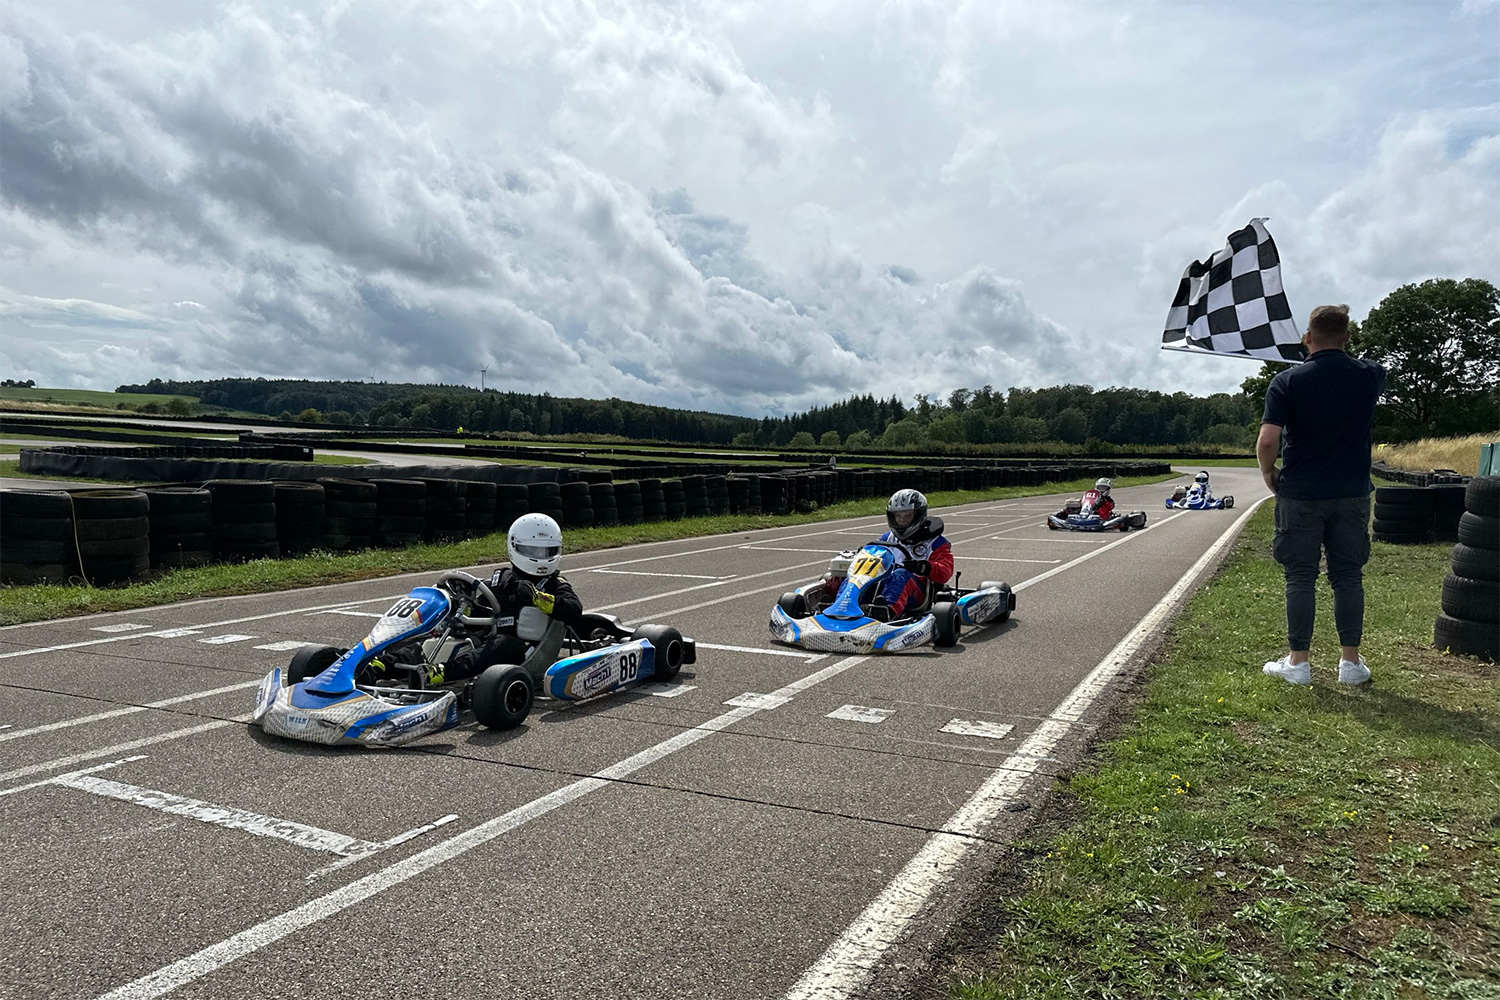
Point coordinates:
[[1307, 530]]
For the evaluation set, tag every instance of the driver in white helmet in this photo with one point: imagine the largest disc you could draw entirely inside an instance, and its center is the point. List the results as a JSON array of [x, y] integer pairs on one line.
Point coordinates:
[[931, 555], [1098, 499], [1201, 482], [534, 543]]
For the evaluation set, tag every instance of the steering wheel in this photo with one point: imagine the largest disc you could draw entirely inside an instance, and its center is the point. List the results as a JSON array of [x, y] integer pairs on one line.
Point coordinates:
[[471, 587]]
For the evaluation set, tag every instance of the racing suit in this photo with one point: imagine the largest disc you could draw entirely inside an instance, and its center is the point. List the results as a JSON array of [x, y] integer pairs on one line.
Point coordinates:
[[1100, 503], [514, 590], [931, 562]]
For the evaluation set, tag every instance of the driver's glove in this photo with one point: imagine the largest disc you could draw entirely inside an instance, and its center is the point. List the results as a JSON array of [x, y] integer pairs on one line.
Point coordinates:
[[918, 567], [543, 600]]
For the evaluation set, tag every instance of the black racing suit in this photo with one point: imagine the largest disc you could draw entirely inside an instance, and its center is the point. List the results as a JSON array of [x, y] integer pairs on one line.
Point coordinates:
[[514, 590]]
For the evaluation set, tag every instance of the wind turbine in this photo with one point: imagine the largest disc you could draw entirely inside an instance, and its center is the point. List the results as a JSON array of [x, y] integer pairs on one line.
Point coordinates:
[[481, 377]]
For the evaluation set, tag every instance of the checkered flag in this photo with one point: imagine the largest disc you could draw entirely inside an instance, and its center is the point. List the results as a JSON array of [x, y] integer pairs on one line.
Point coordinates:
[[1234, 304]]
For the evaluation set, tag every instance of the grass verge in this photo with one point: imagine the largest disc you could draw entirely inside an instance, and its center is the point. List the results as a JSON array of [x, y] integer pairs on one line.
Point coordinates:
[[41, 602], [1236, 837]]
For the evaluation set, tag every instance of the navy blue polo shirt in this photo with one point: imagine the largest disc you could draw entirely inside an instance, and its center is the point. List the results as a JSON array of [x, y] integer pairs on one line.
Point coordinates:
[[1325, 407]]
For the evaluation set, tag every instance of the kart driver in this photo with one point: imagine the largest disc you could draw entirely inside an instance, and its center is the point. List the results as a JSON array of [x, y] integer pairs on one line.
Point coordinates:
[[1099, 501], [931, 556], [1201, 481], [534, 544]]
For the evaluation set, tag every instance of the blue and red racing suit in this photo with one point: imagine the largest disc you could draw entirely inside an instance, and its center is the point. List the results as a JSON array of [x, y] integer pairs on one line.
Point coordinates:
[[928, 545]]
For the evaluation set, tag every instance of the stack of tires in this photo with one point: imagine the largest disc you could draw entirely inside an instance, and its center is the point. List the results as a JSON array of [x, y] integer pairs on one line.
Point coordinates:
[[773, 495], [182, 525], [653, 500], [244, 519], [674, 497], [512, 500], [401, 505], [694, 496], [1470, 622], [351, 515], [479, 507], [1449, 501], [716, 489], [577, 505], [628, 502], [446, 516], [1403, 515], [737, 488], [546, 498], [300, 516], [113, 528], [606, 509], [36, 536]]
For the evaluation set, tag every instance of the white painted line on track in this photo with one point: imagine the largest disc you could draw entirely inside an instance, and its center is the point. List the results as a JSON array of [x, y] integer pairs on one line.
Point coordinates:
[[1048, 562], [78, 758], [297, 834], [757, 649], [285, 647], [75, 774], [222, 640], [662, 689], [399, 838], [989, 730], [764, 702], [268, 932], [701, 586], [112, 713], [775, 548], [859, 713], [675, 576], [122, 627], [1127, 537], [845, 967], [171, 633]]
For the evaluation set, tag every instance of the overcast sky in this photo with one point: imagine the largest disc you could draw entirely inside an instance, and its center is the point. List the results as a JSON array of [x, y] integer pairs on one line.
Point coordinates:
[[751, 207]]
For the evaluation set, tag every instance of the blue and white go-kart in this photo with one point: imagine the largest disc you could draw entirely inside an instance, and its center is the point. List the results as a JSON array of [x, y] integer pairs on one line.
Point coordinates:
[[343, 696], [843, 612], [1196, 497]]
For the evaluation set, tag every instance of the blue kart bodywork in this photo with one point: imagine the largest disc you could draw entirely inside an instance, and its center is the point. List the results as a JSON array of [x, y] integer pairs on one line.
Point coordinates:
[[1078, 515], [1190, 499], [827, 618], [333, 696]]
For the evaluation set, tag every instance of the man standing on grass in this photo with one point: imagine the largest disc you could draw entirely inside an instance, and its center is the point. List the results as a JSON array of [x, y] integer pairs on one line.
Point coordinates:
[[1324, 408]]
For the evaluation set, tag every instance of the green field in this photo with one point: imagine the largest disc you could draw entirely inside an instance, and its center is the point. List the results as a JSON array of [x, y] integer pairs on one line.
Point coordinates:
[[89, 397]]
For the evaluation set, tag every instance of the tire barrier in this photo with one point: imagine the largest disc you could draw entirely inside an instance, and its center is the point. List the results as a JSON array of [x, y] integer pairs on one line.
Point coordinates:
[[351, 514], [606, 508], [402, 508], [674, 498], [577, 504], [182, 526], [447, 510], [546, 498], [653, 500], [1470, 620], [1403, 515], [479, 507], [628, 503], [244, 519], [113, 532], [716, 490], [36, 537], [301, 513], [512, 500]]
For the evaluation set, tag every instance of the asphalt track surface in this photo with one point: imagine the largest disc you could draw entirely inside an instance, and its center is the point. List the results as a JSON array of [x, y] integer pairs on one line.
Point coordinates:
[[773, 824]]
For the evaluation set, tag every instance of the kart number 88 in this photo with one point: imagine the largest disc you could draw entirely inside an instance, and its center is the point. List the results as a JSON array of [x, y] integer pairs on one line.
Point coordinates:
[[630, 665]]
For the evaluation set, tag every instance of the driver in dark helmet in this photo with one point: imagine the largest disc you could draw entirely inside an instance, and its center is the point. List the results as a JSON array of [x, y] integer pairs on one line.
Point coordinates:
[[930, 559]]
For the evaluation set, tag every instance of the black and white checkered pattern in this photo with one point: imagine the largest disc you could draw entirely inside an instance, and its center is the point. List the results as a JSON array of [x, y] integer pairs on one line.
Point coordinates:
[[1234, 303]]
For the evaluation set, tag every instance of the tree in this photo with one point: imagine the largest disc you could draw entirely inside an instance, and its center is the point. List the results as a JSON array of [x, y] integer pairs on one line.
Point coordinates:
[[830, 439], [859, 439], [801, 439], [1440, 344]]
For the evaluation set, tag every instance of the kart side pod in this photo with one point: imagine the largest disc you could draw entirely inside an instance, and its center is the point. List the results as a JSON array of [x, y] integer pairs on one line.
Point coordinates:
[[654, 653]]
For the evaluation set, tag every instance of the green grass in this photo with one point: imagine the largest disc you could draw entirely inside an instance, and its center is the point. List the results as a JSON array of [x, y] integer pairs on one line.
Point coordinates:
[[41, 602], [1238, 837], [89, 397]]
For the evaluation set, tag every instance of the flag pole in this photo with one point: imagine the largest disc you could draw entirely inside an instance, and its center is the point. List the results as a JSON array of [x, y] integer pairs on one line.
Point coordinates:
[[1221, 354]]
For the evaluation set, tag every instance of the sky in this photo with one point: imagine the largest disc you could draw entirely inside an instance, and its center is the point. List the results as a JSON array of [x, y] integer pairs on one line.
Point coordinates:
[[748, 207]]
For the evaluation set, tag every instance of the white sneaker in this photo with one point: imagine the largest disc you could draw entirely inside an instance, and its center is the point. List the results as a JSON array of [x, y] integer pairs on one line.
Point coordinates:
[[1300, 673], [1354, 673]]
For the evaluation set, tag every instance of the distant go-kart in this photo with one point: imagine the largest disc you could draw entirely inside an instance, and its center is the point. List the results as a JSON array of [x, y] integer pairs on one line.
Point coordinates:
[[844, 613], [340, 696], [1197, 498], [1081, 515]]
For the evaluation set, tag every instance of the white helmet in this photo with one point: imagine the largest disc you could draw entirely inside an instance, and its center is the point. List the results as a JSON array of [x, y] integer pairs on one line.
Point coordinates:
[[1103, 486], [906, 513], [1201, 478], [534, 542]]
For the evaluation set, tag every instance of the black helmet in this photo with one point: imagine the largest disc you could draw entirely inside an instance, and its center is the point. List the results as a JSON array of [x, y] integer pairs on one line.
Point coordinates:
[[911, 508]]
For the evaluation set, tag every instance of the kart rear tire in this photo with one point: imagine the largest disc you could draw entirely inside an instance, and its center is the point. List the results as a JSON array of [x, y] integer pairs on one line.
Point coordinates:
[[502, 696], [310, 661], [793, 603], [1229, 503], [948, 623], [667, 642]]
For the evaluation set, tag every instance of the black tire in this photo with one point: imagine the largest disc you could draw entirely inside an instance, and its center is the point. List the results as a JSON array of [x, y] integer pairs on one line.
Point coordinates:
[[95, 504], [1471, 600], [36, 503], [502, 696], [1482, 496], [254, 531], [114, 548], [1479, 531], [948, 623], [244, 513], [38, 529], [105, 571], [1382, 526], [310, 661], [39, 552], [28, 573], [1481, 639], [1475, 563], [669, 651], [793, 604], [241, 491], [176, 559], [178, 499], [1229, 503], [108, 528], [1407, 496]]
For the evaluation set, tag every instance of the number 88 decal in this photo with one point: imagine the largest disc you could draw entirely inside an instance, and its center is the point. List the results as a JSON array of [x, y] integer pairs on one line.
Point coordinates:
[[630, 665]]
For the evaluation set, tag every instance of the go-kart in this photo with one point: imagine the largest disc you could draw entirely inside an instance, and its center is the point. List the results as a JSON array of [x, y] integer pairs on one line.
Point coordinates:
[[844, 613], [1197, 498], [377, 694], [1082, 515]]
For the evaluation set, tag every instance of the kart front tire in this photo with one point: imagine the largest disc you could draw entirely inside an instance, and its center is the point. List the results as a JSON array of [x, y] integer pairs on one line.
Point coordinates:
[[310, 661], [503, 696], [667, 642], [948, 623], [793, 603], [1228, 502], [1004, 589]]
